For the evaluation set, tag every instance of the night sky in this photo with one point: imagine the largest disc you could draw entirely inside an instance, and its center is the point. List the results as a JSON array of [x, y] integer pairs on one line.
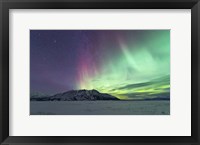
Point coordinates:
[[129, 64]]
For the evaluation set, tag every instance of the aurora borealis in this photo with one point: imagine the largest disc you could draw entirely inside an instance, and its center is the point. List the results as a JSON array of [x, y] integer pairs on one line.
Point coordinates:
[[128, 64]]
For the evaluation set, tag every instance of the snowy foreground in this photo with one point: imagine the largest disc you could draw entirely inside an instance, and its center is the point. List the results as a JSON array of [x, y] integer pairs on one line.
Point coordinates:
[[100, 107]]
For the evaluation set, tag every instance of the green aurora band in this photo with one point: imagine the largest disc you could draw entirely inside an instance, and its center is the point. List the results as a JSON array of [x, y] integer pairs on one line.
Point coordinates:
[[139, 69]]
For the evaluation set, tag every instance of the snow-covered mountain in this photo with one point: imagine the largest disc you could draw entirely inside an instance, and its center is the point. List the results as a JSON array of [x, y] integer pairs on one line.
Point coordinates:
[[76, 95]]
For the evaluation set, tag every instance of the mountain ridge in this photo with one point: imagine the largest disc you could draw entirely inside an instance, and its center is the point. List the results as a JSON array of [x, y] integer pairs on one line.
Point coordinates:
[[76, 95]]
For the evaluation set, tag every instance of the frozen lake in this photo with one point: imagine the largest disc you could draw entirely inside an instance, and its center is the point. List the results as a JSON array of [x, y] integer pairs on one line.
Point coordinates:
[[100, 107]]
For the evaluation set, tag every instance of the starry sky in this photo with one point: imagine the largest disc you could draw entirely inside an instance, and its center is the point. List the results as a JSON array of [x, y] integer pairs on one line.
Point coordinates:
[[128, 64]]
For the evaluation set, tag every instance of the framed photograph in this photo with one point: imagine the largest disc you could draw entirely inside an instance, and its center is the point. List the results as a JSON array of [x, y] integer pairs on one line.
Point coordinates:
[[99, 72]]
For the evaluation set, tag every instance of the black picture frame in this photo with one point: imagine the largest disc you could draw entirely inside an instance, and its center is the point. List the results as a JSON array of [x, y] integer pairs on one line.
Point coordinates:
[[5, 5]]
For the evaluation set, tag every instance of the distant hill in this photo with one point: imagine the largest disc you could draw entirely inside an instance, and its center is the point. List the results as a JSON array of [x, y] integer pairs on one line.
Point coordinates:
[[38, 95], [76, 95]]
